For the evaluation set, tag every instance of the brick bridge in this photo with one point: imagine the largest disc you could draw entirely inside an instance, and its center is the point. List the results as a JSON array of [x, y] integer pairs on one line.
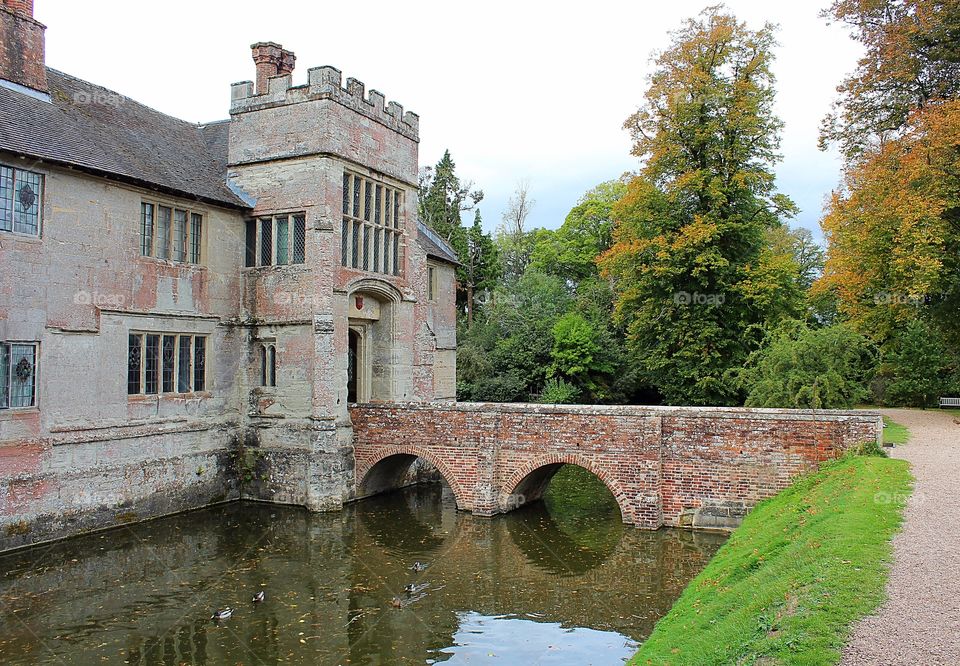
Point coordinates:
[[688, 466]]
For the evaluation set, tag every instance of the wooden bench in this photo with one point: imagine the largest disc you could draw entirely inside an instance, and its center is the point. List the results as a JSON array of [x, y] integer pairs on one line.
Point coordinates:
[[949, 402]]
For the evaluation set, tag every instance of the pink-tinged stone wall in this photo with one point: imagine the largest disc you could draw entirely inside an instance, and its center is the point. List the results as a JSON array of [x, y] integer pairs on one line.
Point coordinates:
[[88, 455], [288, 150], [683, 466]]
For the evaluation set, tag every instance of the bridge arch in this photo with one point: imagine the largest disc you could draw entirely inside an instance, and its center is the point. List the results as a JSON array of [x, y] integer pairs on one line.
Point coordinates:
[[391, 462], [528, 482]]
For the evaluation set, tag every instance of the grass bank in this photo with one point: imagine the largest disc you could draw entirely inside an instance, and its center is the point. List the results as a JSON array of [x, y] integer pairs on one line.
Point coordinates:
[[894, 433], [791, 579]]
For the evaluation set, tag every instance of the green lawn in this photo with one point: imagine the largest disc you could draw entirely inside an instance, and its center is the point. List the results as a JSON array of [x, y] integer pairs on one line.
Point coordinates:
[[894, 433], [791, 579]]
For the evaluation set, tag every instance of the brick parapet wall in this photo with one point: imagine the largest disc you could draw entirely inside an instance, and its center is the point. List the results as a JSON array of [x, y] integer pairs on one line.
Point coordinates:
[[665, 465]]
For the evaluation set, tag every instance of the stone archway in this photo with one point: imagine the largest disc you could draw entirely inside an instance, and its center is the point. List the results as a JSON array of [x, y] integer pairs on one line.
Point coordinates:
[[383, 473], [372, 330], [527, 483]]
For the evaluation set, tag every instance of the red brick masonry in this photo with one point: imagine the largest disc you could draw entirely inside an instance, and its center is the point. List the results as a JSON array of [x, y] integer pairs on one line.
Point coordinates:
[[689, 466]]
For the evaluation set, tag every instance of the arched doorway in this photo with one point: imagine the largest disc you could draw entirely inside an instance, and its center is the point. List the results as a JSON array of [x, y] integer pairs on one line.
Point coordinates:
[[375, 365], [354, 365]]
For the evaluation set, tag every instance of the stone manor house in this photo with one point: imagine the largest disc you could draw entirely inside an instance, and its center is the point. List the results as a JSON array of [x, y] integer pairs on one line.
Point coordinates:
[[169, 290]]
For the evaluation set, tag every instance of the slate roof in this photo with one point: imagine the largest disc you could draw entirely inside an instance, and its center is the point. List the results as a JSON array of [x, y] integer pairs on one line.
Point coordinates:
[[102, 132], [435, 246]]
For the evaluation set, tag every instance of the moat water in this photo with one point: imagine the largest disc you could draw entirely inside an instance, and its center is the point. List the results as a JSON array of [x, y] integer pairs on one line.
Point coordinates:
[[558, 582]]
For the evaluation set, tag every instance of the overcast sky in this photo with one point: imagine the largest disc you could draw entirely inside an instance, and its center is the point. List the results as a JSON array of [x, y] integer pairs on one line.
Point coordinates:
[[516, 90]]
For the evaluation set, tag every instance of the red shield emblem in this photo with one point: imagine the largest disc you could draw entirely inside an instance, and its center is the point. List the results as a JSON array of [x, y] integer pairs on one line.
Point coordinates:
[[359, 301]]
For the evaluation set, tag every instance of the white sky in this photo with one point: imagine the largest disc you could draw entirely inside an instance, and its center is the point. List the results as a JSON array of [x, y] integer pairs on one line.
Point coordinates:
[[516, 90]]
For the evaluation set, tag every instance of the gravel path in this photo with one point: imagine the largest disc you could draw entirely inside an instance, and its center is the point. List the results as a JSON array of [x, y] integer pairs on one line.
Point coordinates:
[[920, 622]]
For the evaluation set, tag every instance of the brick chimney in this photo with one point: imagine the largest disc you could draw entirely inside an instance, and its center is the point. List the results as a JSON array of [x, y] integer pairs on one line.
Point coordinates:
[[22, 45], [271, 60]]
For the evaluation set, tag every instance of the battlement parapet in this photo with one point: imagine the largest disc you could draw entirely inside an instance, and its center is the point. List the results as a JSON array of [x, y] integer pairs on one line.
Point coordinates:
[[325, 83]]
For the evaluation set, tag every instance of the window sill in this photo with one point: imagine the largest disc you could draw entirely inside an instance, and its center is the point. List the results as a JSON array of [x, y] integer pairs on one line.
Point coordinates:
[[274, 267], [169, 397], [171, 263], [12, 413], [20, 236]]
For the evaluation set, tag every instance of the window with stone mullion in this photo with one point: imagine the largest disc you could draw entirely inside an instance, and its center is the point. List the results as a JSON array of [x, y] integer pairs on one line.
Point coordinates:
[[370, 229]]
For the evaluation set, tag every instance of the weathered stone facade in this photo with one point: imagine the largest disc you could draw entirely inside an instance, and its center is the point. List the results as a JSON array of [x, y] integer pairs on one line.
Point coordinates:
[[682, 466], [86, 450]]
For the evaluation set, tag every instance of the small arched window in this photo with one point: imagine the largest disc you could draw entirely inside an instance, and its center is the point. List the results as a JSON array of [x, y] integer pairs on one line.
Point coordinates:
[[268, 364]]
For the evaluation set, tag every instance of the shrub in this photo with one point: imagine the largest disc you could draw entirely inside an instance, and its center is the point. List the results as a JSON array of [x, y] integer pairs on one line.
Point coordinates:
[[558, 391], [802, 367]]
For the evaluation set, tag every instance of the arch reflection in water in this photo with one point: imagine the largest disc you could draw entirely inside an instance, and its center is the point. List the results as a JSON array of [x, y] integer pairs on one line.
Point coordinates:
[[145, 594], [575, 528]]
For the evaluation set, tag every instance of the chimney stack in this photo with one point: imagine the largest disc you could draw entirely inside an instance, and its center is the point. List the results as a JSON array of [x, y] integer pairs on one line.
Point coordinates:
[[22, 45], [271, 60]]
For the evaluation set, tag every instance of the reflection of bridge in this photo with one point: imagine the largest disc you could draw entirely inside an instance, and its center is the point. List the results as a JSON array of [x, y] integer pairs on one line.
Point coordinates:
[[698, 466], [144, 593]]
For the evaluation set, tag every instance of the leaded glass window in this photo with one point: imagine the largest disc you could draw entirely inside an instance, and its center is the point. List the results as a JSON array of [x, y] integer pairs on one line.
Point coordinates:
[[196, 235], [184, 364], [21, 200], [163, 233], [134, 363], [169, 362], [372, 225], [169, 233], [299, 239], [266, 242], [272, 241], [23, 360], [146, 229], [179, 235], [283, 240], [151, 365], [165, 363], [18, 375], [199, 363]]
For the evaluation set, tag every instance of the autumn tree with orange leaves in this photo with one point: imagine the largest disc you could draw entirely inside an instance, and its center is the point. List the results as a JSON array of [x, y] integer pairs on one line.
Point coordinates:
[[893, 227], [695, 276]]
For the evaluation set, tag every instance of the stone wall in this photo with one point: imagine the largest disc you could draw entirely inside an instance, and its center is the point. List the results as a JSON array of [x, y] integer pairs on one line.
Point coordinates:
[[88, 455], [682, 466]]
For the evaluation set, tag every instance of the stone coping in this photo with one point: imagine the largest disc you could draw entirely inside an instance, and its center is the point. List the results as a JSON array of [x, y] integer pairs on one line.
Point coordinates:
[[632, 410]]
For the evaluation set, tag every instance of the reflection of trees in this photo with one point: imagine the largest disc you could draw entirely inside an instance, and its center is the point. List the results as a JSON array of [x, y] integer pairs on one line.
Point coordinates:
[[404, 522], [577, 525], [564, 543], [390, 532]]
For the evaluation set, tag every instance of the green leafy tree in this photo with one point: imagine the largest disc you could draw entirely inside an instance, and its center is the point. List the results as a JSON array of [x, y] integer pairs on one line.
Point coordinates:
[[577, 348], [806, 253], [505, 355], [443, 198], [815, 368], [558, 392], [690, 262], [587, 232], [917, 368]]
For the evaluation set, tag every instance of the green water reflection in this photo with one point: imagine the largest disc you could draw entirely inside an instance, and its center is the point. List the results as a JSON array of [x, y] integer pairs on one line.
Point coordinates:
[[548, 584]]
